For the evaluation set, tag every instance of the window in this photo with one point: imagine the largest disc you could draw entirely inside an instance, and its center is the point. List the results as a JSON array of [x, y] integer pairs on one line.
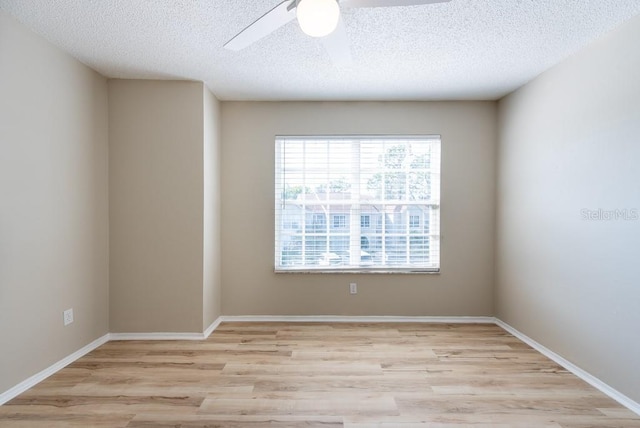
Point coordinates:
[[339, 221], [319, 219], [365, 203], [318, 223]]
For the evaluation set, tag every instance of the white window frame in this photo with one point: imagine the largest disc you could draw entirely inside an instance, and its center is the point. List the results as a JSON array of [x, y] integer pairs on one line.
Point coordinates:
[[352, 262]]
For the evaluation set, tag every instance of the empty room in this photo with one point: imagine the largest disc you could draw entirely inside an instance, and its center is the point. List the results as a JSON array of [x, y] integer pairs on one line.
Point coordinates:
[[319, 213]]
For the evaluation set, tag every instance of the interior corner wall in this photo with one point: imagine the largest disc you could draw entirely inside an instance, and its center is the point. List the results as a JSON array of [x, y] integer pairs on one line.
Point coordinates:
[[465, 285], [211, 290], [156, 205], [568, 209], [54, 203]]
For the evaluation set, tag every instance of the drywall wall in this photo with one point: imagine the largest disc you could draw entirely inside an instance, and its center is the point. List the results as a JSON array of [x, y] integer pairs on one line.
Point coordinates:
[[54, 202], [569, 209], [156, 209], [211, 287], [465, 285]]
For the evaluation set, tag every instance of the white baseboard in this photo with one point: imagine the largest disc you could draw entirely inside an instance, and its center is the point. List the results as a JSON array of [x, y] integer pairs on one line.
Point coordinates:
[[212, 327], [168, 335], [156, 336], [355, 319], [582, 374], [39, 377]]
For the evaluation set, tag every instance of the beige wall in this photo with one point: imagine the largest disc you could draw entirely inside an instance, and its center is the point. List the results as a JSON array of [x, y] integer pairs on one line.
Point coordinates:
[[465, 285], [211, 290], [53, 204], [113, 196], [569, 142], [156, 205]]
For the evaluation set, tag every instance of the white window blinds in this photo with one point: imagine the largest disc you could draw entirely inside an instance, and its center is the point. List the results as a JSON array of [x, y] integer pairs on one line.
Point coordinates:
[[363, 203]]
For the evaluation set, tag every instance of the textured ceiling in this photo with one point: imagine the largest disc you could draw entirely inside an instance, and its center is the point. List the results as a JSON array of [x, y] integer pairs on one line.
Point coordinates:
[[464, 49]]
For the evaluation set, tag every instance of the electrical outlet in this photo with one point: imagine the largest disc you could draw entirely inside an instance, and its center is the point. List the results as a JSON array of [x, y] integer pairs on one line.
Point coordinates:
[[67, 316], [353, 288]]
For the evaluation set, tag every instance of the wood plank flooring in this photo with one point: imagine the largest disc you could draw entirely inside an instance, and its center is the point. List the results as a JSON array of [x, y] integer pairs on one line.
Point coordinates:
[[250, 375]]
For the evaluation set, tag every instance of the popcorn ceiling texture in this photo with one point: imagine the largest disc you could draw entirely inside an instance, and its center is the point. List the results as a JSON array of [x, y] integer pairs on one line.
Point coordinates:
[[465, 49]]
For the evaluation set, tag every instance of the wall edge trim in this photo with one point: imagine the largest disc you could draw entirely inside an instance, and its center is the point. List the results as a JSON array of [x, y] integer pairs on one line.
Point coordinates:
[[214, 325], [167, 335], [156, 336], [30, 382], [582, 374], [361, 319]]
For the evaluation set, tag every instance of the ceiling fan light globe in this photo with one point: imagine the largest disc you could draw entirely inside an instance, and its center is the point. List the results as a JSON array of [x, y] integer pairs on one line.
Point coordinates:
[[318, 18]]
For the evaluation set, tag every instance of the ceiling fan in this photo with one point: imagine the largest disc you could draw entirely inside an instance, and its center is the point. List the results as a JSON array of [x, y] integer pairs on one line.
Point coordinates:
[[317, 18]]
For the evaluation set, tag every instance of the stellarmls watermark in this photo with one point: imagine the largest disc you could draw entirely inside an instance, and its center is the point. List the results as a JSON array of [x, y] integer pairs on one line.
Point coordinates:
[[599, 214]]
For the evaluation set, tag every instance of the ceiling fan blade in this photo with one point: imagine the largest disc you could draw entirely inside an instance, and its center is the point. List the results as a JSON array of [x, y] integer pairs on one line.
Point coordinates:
[[387, 3], [266, 24], [338, 47]]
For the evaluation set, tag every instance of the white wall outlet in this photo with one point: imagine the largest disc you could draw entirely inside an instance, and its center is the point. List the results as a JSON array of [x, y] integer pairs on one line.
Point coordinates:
[[353, 288], [67, 316]]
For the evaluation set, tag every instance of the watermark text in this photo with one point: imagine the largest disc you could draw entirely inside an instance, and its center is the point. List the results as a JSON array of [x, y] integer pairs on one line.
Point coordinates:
[[599, 214]]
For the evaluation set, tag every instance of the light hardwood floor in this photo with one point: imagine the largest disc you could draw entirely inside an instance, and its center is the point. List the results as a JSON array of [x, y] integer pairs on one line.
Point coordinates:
[[319, 375]]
